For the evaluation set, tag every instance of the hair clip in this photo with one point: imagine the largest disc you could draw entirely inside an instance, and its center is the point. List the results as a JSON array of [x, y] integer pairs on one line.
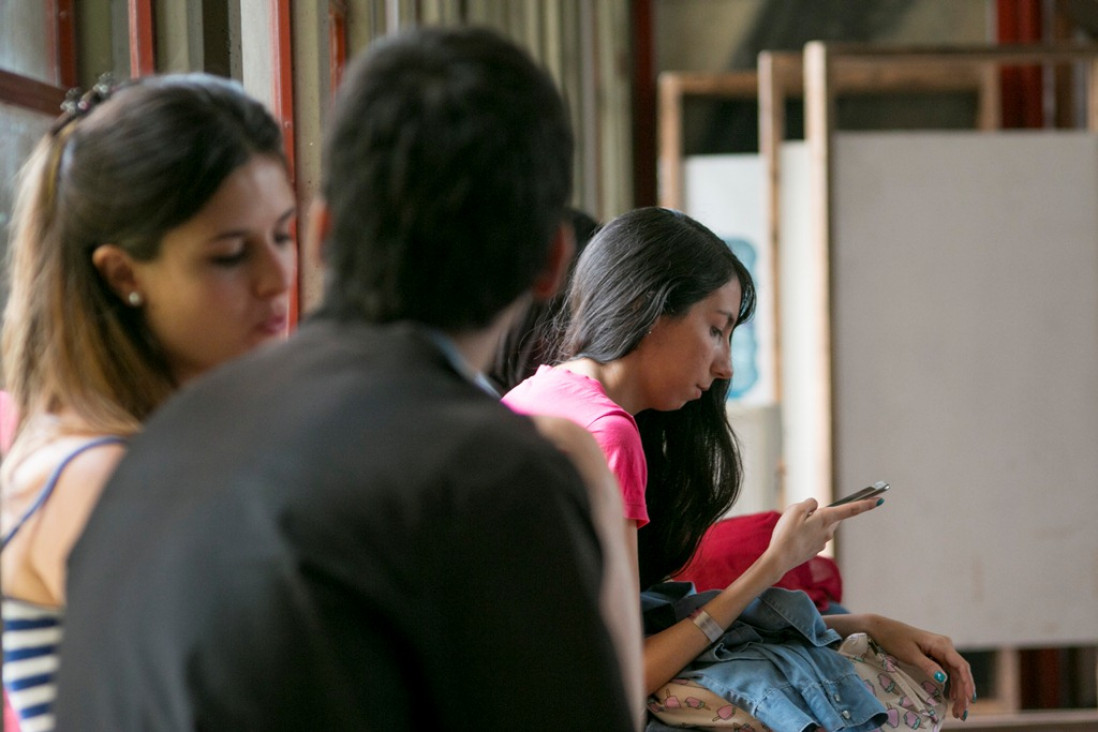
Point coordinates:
[[78, 104]]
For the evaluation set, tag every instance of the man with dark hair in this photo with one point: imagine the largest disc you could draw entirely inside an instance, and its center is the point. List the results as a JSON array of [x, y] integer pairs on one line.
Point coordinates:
[[345, 531], [466, 188]]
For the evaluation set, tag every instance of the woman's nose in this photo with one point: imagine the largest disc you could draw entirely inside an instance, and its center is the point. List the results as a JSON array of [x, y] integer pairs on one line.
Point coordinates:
[[722, 365], [276, 270]]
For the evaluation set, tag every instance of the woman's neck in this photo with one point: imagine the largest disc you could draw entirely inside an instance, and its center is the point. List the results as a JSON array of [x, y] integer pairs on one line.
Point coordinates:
[[616, 379]]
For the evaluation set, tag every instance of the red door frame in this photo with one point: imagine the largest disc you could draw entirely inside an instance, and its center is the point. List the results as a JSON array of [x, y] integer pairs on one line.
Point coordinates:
[[282, 105], [61, 42], [644, 103], [1019, 22], [46, 96], [337, 43], [142, 40]]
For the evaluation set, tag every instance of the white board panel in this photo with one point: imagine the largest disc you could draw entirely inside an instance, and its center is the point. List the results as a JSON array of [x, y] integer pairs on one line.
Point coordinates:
[[965, 369]]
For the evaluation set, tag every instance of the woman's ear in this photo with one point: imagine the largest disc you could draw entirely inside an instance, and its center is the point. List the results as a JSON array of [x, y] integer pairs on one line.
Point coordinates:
[[557, 262], [116, 269]]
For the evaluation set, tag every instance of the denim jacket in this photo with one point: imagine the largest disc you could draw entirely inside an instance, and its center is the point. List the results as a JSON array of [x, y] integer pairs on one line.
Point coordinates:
[[776, 662]]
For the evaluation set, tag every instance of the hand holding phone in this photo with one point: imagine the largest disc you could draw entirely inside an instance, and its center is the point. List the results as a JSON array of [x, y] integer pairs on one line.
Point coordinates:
[[868, 492]]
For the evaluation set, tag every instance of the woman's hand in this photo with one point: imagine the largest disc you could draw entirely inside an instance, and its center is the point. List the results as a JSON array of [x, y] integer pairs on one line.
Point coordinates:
[[804, 529], [932, 653]]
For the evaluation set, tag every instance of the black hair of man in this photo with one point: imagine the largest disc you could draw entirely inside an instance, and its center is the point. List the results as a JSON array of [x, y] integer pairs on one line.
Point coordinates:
[[449, 164]]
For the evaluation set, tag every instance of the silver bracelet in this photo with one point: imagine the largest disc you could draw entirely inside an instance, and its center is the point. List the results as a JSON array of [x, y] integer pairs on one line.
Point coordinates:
[[707, 625]]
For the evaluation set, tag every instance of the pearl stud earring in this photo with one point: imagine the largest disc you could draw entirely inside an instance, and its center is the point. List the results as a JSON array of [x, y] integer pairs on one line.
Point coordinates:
[[134, 298]]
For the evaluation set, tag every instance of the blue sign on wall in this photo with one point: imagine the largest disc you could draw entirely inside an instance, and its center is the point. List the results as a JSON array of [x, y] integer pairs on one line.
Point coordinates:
[[745, 342]]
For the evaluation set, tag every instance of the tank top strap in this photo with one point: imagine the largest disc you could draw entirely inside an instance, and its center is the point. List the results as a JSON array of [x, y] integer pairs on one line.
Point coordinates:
[[47, 489]]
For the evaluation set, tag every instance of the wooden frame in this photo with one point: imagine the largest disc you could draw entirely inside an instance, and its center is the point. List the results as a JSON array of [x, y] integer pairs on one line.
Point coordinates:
[[824, 65], [819, 74], [672, 88], [829, 69], [787, 74], [780, 76], [37, 96]]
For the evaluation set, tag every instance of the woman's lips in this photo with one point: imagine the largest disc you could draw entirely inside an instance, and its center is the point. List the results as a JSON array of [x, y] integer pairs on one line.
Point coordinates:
[[274, 325]]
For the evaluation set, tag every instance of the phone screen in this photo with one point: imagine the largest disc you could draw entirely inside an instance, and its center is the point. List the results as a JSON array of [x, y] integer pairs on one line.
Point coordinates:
[[868, 492]]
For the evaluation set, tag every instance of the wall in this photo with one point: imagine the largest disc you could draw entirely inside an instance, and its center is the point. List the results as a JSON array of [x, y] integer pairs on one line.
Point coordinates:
[[721, 35]]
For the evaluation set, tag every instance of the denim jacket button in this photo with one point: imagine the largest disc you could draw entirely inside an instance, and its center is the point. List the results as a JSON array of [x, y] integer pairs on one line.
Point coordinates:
[[846, 714], [837, 698]]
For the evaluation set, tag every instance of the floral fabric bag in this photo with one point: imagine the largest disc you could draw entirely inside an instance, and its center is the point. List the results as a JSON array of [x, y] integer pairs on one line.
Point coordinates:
[[910, 698]]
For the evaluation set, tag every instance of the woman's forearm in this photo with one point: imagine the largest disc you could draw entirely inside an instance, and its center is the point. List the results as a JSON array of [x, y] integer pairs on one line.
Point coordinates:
[[847, 625], [669, 651]]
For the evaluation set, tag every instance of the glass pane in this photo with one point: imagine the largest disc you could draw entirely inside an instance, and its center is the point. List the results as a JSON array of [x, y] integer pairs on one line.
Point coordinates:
[[20, 130], [23, 33]]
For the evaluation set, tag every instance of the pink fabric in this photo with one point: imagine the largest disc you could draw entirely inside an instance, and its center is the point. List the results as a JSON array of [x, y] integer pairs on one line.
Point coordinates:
[[732, 545], [11, 720], [7, 421], [7, 432], [561, 393]]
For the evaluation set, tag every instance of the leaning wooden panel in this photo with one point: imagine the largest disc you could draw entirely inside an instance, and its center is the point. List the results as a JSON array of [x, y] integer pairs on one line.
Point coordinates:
[[780, 77], [964, 274], [847, 68]]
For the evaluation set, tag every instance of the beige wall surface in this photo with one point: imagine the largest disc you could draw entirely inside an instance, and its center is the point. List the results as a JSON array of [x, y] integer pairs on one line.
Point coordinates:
[[965, 366]]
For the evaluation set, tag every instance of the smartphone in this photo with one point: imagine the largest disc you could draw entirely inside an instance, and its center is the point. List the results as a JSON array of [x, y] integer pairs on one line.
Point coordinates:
[[868, 492]]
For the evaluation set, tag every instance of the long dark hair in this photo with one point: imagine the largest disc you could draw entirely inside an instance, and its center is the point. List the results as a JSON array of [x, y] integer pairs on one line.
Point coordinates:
[[533, 340], [648, 263]]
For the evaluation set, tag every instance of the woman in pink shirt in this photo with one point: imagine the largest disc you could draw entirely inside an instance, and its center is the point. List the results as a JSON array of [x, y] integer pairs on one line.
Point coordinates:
[[645, 366]]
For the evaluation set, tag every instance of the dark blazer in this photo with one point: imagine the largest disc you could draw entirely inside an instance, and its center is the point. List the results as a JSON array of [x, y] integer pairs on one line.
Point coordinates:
[[339, 533]]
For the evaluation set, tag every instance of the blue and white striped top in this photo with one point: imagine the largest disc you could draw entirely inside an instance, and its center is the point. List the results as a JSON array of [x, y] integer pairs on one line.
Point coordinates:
[[32, 632], [31, 636]]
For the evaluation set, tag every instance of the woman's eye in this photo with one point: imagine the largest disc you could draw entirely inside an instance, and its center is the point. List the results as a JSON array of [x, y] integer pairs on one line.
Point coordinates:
[[229, 259], [282, 237]]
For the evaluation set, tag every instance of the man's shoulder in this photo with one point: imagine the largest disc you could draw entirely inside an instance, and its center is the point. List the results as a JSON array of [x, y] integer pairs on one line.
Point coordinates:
[[357, 400], [488, 434], [324, 360]]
